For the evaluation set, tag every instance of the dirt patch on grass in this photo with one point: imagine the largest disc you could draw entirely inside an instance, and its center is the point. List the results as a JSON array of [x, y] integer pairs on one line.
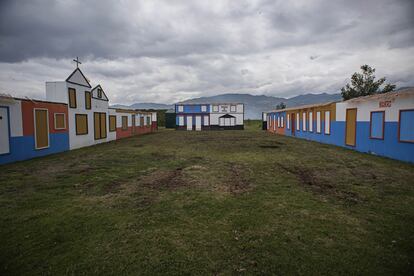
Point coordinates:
[[164, 179], [138, 146], [269, 146], [82, 168], [161, 156], [272, 145], [238, 183], [319, 185], [113, 187]]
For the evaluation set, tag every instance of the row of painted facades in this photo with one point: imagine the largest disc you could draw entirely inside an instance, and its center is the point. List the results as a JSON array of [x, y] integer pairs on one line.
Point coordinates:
[[74, 115], [216, 116], [381, 124]]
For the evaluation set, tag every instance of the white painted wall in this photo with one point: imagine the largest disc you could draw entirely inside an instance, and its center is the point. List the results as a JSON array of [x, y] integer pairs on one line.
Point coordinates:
[[198, 122], [405, 101], [58, 92], [119, 116], [54, 92], [4, 131], [224, 108], [189, 122], [15, 112], [111, 135]]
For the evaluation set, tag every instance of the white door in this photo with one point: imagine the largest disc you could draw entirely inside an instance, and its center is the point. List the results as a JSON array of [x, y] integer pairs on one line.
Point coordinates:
[[189, 122], [232, 121], [221, 121], [4, 131], [198, 122]]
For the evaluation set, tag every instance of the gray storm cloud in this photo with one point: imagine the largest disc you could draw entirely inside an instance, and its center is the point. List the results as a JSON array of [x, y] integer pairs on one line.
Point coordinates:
[[166, 51]]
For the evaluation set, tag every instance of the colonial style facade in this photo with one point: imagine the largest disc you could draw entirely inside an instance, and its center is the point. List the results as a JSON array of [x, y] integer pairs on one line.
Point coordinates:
[[217, 116]]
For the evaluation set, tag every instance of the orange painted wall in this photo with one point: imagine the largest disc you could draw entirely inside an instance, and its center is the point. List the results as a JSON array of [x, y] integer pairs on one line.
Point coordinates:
[[28, 115], [123, 133]]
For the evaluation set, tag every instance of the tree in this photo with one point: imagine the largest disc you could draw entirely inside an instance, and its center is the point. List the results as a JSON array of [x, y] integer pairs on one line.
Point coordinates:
[[281, 105], [364, 84]]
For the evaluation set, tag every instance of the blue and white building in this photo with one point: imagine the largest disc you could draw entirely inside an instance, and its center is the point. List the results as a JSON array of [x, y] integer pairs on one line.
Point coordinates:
[[217, 116], [381, 124]]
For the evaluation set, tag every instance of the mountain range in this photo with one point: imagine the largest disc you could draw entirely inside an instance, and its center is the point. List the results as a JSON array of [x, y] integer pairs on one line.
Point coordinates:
[[254, 105]]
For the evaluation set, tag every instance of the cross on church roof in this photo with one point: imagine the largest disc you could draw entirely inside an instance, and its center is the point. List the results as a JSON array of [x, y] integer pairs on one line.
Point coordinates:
[[77, 62]]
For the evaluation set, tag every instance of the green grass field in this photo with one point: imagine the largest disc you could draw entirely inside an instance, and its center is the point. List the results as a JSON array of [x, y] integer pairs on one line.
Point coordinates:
[[209, 203]]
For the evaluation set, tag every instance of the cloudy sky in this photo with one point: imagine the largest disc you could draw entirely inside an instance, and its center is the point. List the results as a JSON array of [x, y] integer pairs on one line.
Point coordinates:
[[166, 51]]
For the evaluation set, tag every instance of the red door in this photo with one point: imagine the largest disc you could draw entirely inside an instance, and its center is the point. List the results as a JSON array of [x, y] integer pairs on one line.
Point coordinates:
[[292, 125]]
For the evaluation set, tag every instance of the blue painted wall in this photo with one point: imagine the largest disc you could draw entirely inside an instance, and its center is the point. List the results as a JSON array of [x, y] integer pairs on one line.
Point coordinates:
[[193, 108], [389, 147], [23, 147], [407, 125]]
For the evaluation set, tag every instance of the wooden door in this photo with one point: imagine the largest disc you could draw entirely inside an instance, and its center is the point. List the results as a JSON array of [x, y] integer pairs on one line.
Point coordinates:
[[103, 125], [97, 125], [350, 133], [41, 129], [189, 123], [198, 122], [4, 131], [99, 122], [292, 123], [133, 124]]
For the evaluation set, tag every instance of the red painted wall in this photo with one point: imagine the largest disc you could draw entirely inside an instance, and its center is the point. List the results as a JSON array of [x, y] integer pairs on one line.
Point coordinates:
[[143, 129], [154, 126], [123, 133], [28, 115]]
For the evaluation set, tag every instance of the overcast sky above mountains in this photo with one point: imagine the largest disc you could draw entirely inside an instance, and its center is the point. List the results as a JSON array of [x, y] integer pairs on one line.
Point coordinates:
[[168, 51]]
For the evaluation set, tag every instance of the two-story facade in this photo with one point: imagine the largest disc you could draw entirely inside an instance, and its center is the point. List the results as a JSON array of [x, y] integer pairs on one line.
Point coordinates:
[[88, 109], [217, 116]]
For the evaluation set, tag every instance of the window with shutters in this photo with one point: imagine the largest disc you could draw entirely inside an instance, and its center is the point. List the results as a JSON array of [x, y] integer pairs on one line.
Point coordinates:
[[297, 121], [376, 129], [318, 122], [87, 100], [327, 122], [181, 120], [81, 121], [406, 126], [72, 97], [60, 121], [288, 122], [124, 122], [112, 123], [311, 121], [304, 121]]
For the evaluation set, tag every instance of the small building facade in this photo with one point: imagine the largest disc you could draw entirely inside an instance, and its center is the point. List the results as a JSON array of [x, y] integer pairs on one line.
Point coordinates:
[[381, 124], [88, 109], [74, 115], [264, 121], [31, 128], [218, 116]]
